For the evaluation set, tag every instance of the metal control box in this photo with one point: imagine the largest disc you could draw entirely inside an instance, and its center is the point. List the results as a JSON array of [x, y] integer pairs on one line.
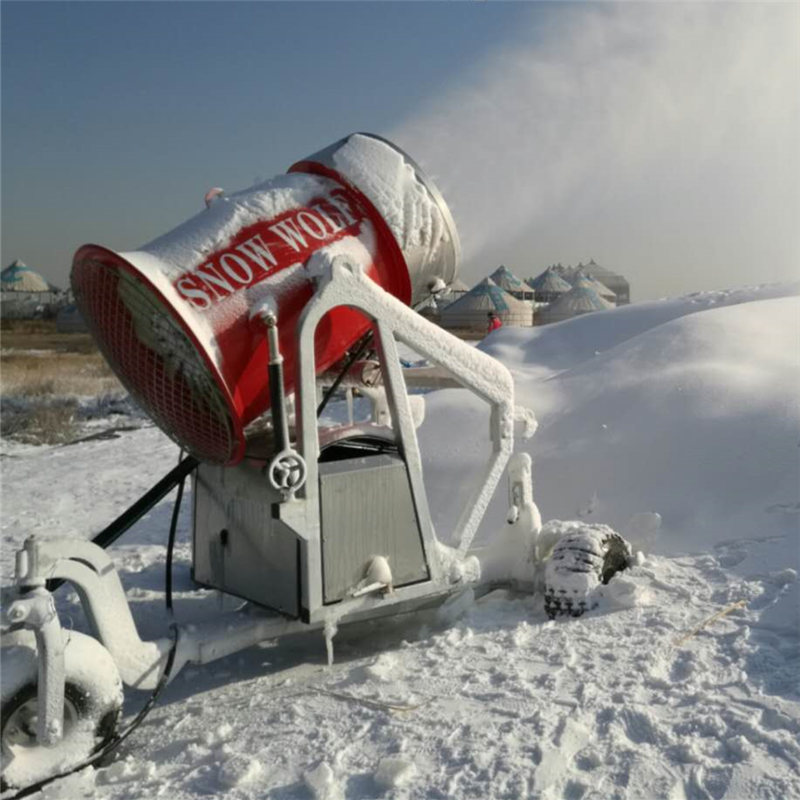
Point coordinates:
[[368, 510], [239, 547]]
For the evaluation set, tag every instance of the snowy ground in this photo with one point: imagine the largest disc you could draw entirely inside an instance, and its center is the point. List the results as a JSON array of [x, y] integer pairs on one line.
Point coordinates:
[[686, 409]]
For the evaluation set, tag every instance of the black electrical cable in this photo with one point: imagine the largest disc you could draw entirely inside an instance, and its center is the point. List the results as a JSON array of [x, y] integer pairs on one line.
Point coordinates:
[[355, 354], [173, 527]]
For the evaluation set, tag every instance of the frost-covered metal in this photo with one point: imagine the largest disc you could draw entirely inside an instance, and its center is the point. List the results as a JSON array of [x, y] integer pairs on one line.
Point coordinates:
[[173, 318], [316, 524]]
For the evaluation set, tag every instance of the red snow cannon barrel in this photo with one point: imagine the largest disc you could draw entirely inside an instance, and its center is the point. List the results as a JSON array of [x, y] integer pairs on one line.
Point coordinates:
[[173, 318]]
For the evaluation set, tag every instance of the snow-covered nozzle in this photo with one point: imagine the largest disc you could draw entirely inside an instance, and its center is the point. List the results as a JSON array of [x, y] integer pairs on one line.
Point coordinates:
[[173, 318]]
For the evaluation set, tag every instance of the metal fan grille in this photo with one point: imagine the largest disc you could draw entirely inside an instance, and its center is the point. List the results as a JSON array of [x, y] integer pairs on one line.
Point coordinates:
[[155, 360]]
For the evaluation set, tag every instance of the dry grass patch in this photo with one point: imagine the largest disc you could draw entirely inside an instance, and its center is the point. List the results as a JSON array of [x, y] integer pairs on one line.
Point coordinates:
[[22, 334], [54, 374], [49, 422], [50, 383]]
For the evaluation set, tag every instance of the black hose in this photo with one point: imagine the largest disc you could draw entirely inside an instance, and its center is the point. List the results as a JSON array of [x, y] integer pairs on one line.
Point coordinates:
[[121, 524], [355, 354], [173, 527]]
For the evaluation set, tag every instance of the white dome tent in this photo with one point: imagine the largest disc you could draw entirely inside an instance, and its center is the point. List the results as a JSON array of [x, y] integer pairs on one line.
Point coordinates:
[[578, 300], [19, 277], [508, 281], [613, 280], [549, 286], [25, 293], [472, 310], [582, 279]]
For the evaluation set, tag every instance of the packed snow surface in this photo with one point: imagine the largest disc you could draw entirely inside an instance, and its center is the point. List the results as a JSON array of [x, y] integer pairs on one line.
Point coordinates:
[[675, 422]]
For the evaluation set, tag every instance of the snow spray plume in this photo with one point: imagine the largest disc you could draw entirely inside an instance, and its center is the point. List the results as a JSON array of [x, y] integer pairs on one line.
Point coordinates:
[[626, 131]]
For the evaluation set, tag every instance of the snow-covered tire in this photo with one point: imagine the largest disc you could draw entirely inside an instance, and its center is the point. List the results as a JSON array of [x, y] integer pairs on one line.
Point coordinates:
[[92, 705], [584, 559]]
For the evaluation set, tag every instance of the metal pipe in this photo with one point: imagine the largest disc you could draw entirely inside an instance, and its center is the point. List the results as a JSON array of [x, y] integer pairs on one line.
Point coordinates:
[[277, 392]]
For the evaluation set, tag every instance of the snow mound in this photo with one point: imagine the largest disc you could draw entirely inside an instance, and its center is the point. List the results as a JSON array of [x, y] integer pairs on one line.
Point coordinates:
[[562, 345], [687, 409]]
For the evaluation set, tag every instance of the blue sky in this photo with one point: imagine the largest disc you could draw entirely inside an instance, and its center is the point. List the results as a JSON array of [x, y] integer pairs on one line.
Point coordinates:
[[659, 139], [118, 116]]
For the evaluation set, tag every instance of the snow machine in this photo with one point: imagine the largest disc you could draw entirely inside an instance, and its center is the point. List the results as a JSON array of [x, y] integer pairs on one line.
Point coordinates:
[[233, 332]]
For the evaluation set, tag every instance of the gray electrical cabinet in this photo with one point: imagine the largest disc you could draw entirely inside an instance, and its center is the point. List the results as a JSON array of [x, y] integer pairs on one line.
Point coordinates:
[[367, 510], [243, 548], [239, 547]]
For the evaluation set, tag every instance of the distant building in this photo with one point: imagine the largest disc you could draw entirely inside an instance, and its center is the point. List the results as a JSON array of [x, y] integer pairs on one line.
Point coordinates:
[[613, 280], [470, 312], [432, 308], [548, 286], [580, 299], [581, 278], [25, 294], [508, 281]]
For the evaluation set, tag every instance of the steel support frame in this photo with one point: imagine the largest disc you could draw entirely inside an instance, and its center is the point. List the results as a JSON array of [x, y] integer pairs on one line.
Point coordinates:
[[88, 567], [343, 281]]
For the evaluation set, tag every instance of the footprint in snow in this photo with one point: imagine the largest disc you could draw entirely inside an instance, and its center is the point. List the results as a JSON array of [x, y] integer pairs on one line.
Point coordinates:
[[239, 770]]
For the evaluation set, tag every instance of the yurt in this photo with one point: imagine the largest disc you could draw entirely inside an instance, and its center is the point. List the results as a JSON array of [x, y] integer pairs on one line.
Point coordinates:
[[578, 300], [614, 281], [548, 286], [508, 281], [582, 279], [19, 277], [470, 313], [25, 293]]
